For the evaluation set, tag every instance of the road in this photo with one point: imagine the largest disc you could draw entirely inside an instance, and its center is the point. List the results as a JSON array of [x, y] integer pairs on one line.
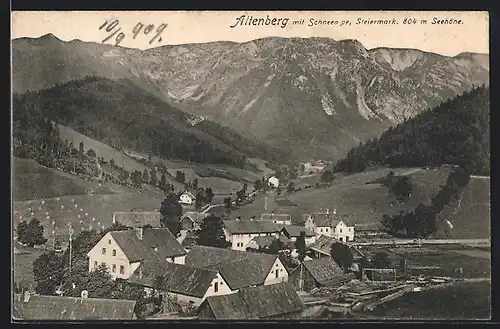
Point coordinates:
[[469, 242]]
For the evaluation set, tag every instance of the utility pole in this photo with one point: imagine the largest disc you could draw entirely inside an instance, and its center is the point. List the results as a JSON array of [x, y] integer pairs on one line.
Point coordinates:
[[70, 246]]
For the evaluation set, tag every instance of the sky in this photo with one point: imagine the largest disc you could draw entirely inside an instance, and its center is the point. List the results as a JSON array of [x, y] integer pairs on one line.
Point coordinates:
[[472, 35]]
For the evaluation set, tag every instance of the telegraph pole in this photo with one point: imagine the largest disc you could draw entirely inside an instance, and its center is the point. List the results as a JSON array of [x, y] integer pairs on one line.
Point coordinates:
[[70, 246]]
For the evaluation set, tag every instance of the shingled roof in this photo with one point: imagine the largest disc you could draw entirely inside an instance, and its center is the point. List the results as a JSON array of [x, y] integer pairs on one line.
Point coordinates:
[[239, 268], [329, 220], [179, 278], [134, 219], [250, 226], [293, 231], [72, 308], [324, 270], [275, 300], [195, 217], [323, 244], [136, 249], [280, 217]]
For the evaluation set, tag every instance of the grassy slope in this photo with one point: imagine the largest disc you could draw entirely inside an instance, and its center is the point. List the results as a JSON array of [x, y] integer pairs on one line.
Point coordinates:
[[33, 181]]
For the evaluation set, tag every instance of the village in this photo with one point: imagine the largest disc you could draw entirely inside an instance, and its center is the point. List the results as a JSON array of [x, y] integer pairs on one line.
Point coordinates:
[[265, 266]]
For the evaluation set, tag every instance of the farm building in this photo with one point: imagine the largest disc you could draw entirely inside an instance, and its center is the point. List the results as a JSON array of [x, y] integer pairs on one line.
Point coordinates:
[[278, 301], [293, 232], [239, 269], [192, 220], [239, 232], [316, 273], [333, 225], [183, 283], [124, 251], [135, 219], [273, 182], [37, 307], [187, 198], [280, 219], [266, 241]]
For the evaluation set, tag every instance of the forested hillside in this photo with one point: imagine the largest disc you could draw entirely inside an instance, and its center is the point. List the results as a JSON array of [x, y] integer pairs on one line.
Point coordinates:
[[455, 132], [122, 115]]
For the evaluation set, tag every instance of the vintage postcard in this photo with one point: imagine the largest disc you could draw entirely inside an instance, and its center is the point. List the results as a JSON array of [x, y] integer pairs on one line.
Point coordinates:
[[245, 165]]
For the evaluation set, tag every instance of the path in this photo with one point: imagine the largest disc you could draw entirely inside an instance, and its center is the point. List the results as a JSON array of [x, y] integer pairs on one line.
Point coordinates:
[[469, 242]]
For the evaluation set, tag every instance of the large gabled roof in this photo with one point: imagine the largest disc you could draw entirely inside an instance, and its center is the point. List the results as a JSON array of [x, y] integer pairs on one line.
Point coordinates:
[[134, 219], [250, 226]]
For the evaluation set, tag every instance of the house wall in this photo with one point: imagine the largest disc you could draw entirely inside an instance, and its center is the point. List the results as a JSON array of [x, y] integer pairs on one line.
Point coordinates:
[[222, 288], [186, 199], [252, 244], [309, 224], [119, 259], [301, 273], [282, 222], [325, 230], [240, 241], [282, 273], [343, 232], [177, 260]]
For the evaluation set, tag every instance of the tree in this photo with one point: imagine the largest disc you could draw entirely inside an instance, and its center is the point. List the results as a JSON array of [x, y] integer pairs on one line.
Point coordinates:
[[342, 255], [401, 186], [123, 176], [31, 234], [209, 195], [200, 200], [212, 233], [80, 148], [98, 283], [91, 153], [228, 203], [48, 272], [22, 228], [291, 187], [327, 176], [153, 179], [180, 176], [195, 184], [381, 260], [275, 247], [171, 212], [258, 185], [136, 177], [300, 244], [112, 162], [163, 183], [145, 176]]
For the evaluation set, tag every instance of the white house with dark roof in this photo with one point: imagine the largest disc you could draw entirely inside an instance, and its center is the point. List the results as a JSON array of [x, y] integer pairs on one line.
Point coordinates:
[[292, 232], [183, 283], [239, 269], [333, 225], [192, 220], [133, 219], [240, 232], [123, 251], [280, 219], [187, 198]]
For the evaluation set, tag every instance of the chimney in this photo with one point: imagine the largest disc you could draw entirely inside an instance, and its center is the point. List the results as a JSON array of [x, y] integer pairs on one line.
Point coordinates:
[[27, 296], [238, 218], [252, 218], [84, 294], [138, 232]]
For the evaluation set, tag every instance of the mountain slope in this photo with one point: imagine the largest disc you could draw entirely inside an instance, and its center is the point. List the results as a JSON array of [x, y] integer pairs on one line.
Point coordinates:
[[295, 93], [455, 132], [122, 115]]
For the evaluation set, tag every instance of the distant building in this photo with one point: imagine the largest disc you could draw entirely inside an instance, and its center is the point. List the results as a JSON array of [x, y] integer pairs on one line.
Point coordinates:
[[239, 269], [124, 251], [240, 232], [38, 307], [266, 241], [278, 301], [135, 219], [292, 232], [331, 225], [280, 219], [187, 198], [273, 182], [316, 273], [323, 246], [192, 220], [186, 284]]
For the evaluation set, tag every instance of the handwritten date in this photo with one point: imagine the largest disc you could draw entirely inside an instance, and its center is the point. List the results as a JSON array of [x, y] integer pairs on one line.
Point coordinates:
[[114, 30]]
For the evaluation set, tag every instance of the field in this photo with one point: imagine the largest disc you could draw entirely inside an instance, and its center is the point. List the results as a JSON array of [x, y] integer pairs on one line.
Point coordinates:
[[33, 181], [461, 301], [23, 266]]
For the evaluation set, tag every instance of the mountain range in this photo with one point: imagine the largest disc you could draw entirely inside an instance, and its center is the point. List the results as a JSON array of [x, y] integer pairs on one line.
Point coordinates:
[[311, 97]]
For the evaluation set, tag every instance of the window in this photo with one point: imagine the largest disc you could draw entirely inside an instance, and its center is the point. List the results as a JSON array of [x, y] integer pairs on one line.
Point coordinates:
[[277, 273], [114, 252], [216, 287], [346, 239], [113, 268], [109, 241], [341, 239], [340, 230], [122, 269], [326, 229], [95, 264], [350, 229], [104, 251], [321, 230]]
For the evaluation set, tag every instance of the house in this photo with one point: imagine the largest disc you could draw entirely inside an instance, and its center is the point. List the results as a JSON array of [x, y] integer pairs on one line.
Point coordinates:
[[240, 232], [292, 232], [239, 269], [38, 307], [135, 219], [183, 283], [280, 219], [187, 198], [124, 251], [323, 246], [316, 273], [331, 225], [273, 182], [277, 301], [192, 220], [266, 241]]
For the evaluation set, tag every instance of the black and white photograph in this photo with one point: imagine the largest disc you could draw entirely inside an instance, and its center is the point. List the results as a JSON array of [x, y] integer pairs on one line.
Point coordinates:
[[250, 165]]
